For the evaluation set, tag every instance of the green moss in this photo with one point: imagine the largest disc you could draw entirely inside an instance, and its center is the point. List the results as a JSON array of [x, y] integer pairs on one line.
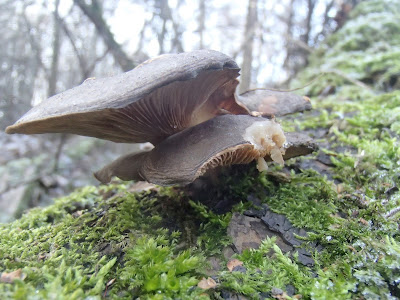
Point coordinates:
[[70, 249], [307, 200], [265, 271]]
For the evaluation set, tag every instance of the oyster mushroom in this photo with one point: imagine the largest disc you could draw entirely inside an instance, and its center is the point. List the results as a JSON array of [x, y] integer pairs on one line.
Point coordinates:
[[147, 104], [221, 141], [184, 104], [264, 102]]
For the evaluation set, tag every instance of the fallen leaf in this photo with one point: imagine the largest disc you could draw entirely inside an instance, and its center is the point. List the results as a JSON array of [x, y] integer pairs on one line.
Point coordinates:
[[207, 283], [10, 277], [233, 263]]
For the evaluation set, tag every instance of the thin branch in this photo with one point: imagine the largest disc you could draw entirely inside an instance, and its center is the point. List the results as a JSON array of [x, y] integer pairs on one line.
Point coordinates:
[[35, 46], [56, 52], [94, 63], [57, 155], [392, 212], [326, 21], [82, 61], [94, 13], [26, 181], [348, 78]]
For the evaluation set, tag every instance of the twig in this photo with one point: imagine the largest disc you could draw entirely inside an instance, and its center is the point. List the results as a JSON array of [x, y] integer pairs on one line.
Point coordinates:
[[300, 43], [24, 182], [291, 90], [392, 212], [335, 72], [352, 80], [57, 155]]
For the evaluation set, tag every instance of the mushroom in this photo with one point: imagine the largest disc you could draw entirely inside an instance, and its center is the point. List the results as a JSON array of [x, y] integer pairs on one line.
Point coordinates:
[[147, 104], [184, 104], [223, 140], [264, 102]]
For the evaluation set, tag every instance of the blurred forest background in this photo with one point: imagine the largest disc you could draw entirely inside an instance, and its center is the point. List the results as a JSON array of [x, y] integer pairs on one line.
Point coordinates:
[[50, 46]]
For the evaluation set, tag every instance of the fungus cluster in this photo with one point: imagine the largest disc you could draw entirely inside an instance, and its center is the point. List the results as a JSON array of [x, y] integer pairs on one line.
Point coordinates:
[[186, 106]]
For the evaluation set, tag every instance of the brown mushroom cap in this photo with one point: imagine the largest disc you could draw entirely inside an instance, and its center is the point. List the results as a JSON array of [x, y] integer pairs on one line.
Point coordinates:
[[153, 101], [265, 102], [185, 156]]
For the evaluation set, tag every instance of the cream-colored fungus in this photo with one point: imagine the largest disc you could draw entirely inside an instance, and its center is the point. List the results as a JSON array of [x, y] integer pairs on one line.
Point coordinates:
[[268, 138]]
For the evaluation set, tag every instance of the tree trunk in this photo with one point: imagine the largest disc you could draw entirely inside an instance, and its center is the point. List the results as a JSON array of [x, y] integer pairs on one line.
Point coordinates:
[[201, 19], [310, 13], [53, 76], [251, 22], [289, 37]]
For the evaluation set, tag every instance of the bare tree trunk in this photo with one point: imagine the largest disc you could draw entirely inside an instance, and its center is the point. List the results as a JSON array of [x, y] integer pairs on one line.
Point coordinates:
[[310, 13], [325, 25], [202, 19], [53, 76], [94, 13], [251, 22], [289, 36]]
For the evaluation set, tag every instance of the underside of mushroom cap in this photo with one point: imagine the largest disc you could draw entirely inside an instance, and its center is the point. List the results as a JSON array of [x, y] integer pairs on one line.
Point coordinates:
[[224, 140], [264, 102], [153, 101]]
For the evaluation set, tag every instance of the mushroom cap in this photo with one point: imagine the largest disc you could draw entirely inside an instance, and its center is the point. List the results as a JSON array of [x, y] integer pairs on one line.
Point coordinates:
[[185, 156], [264, 102], [158, 98]]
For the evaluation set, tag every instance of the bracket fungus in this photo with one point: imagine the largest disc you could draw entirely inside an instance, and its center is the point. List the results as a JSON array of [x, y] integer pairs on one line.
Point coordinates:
[[186, 106]]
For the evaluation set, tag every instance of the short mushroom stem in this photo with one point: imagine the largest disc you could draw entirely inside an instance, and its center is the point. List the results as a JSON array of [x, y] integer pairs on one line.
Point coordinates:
[[262, 164]]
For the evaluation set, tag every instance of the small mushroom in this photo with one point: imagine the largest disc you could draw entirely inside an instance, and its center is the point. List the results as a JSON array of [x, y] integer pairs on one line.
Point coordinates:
[[264, 102], [221, 141]]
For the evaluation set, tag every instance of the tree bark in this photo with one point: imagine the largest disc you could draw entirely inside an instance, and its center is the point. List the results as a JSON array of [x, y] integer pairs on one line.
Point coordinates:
[[289, 37], [251, 22], [308, 21], [94, 13]]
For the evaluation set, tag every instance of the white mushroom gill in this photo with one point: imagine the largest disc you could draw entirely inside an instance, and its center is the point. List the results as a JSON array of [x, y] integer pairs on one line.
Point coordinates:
[[268, 138]]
